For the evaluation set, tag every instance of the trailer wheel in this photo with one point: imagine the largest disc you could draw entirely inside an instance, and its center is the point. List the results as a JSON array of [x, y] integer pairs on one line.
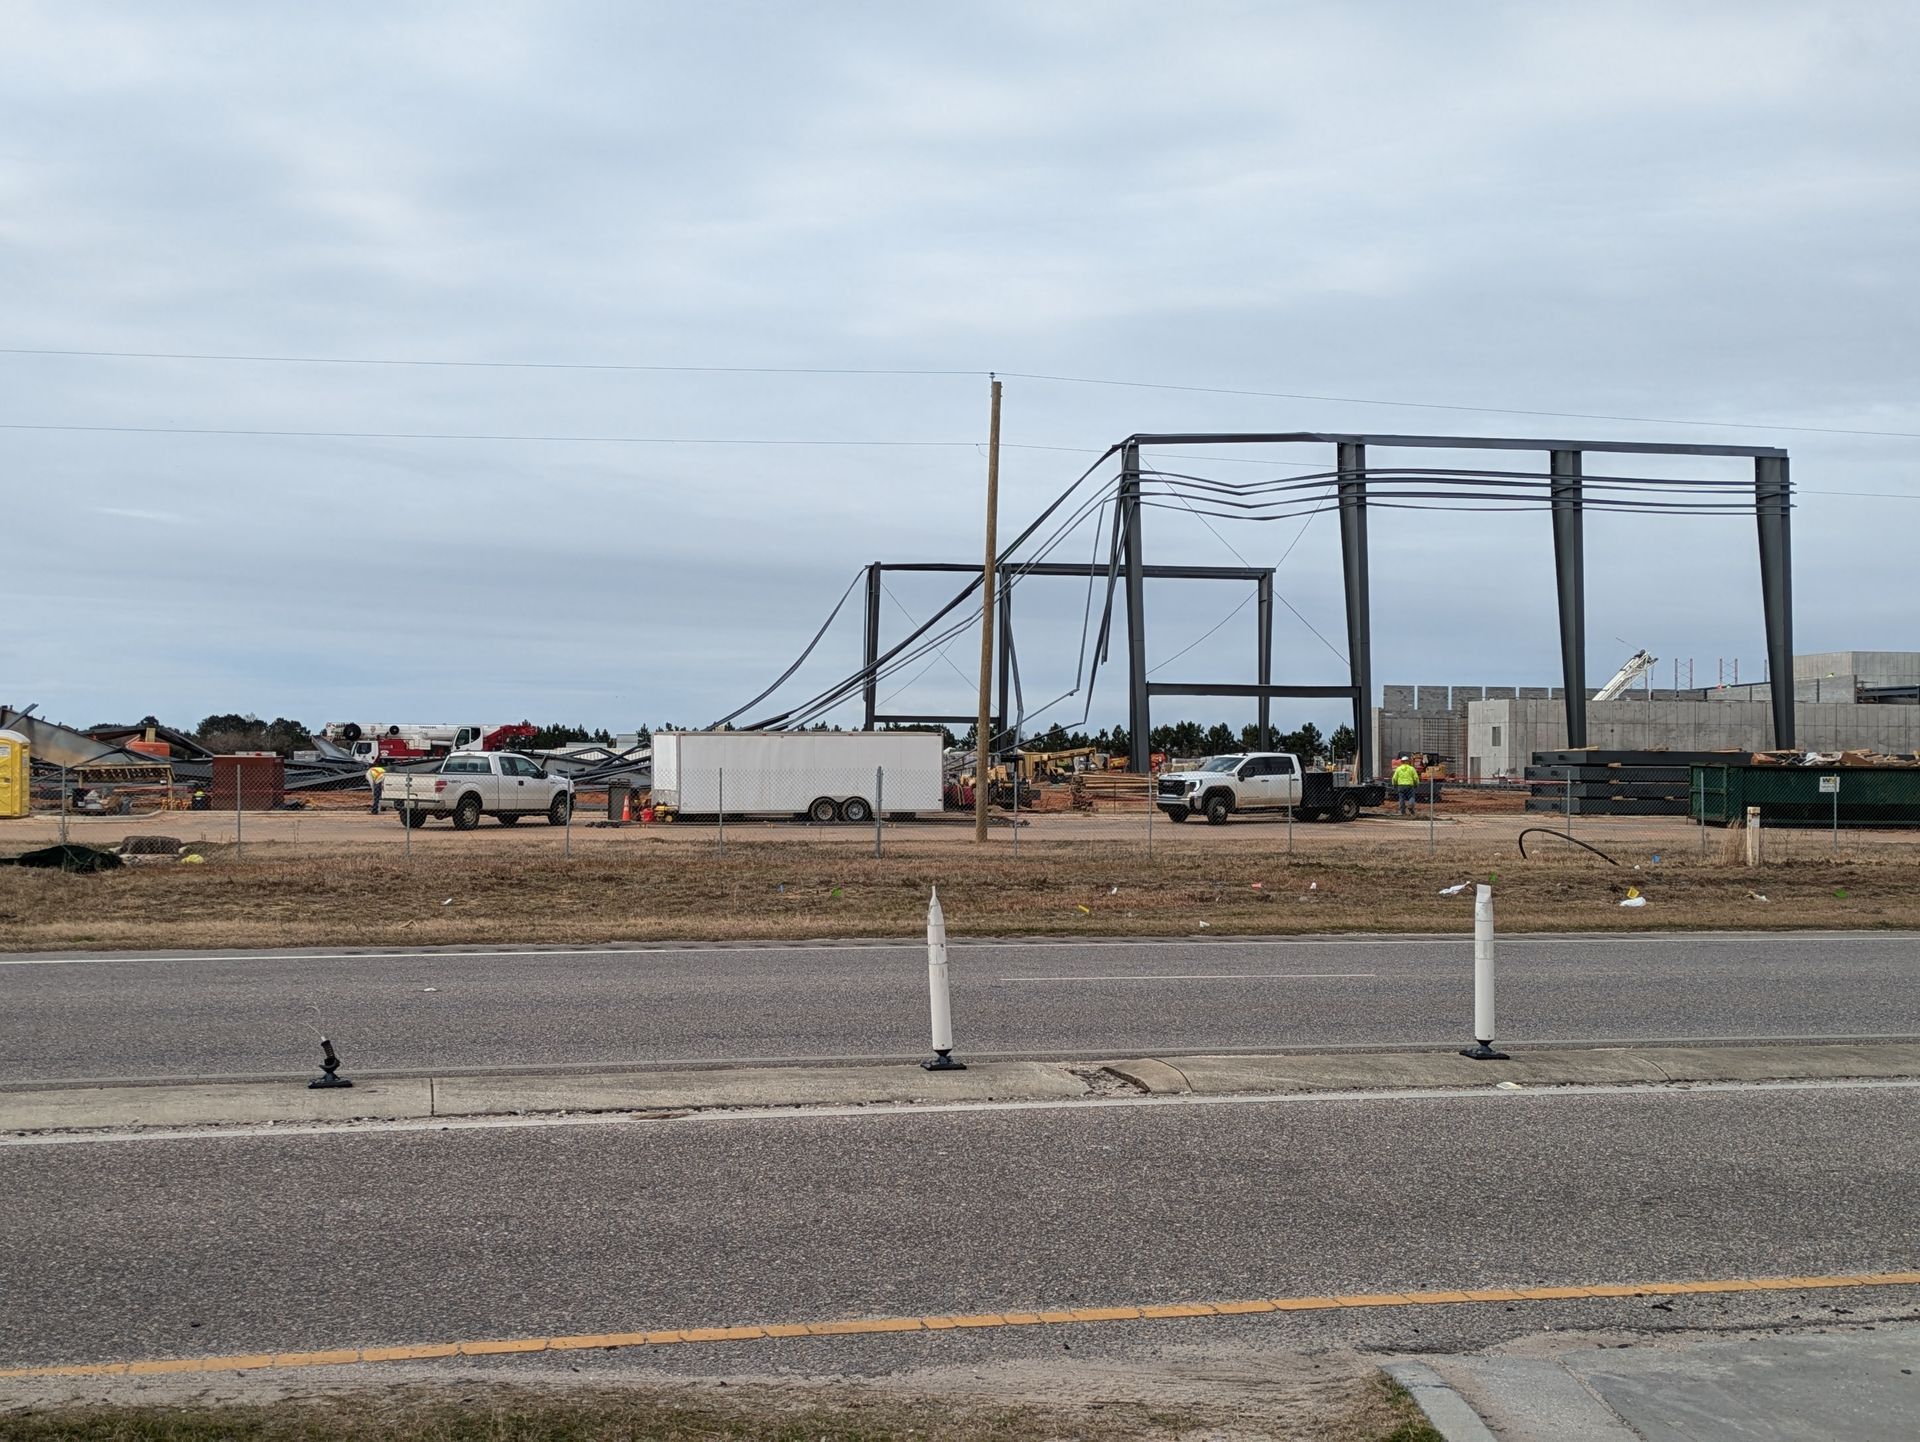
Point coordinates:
[[824, 811], [855, 810], [466, 814], [1219, 808], [1175, 814], [560, 810], [1347, 807]]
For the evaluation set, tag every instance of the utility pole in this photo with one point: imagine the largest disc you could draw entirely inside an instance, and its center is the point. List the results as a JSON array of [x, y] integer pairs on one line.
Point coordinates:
[[990, 582]]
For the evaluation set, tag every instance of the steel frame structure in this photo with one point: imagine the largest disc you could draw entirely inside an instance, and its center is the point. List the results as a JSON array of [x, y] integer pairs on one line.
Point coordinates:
[[1261, 576], [1772, 504], [1772, 507]]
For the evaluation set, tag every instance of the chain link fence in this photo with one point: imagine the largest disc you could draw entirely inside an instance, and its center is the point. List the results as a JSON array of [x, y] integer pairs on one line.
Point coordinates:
[[1679, 813]]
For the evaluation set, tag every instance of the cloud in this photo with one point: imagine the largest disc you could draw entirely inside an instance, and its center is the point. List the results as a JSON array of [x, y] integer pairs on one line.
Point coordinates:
[[1628, 209]]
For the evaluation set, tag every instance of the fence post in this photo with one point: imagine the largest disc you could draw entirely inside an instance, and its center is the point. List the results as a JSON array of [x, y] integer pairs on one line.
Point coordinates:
[[406, 821], [1754, 847], [1700, 805], [1289, 828], [1568, 770], [879, 799], [566, 841], [1482, 1048], [1014, 775], [720, 804], [1152, 796], [63, 805], [239, 789], [939, 1003], [1432, 788]]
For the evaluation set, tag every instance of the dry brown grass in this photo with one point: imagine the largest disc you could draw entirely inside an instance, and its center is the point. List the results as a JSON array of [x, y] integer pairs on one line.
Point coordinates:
[[797, 890], [1358, 1409]]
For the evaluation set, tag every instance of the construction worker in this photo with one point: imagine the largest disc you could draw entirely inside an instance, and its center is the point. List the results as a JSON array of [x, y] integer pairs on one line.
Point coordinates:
[[1406, 780], [376, 774]]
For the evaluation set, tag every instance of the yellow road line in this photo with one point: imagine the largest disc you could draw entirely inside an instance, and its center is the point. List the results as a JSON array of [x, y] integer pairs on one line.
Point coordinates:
[[869, 1326]]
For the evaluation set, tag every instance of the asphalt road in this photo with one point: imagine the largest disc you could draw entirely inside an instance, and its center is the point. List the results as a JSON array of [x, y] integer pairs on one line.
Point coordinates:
[[131, 1017], [167, 1246]]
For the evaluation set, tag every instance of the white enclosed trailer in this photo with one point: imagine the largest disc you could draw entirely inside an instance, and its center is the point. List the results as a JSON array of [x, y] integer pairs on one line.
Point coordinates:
[[821, 775]]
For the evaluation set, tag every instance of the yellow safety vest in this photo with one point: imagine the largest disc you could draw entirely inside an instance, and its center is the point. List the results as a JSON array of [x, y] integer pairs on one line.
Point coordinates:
[[1405, 775]]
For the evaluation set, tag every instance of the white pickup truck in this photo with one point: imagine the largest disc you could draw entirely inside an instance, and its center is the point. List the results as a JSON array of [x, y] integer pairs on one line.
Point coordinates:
[[1261, 781], [472, 784]]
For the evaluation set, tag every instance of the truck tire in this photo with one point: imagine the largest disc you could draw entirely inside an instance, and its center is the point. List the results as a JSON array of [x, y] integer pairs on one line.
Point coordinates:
[[412, 816], [824, 811], [560, 810], [1219, 808], [507, 818], [1175, 814], [466, 812], [1347, 808], [1307, 813], [855, 810]]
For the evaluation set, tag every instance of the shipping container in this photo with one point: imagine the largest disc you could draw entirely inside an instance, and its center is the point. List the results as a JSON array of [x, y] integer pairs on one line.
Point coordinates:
[[822, 776]]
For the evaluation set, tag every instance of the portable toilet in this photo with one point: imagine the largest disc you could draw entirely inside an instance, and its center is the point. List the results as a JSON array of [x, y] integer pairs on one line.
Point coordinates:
[[16, 798]]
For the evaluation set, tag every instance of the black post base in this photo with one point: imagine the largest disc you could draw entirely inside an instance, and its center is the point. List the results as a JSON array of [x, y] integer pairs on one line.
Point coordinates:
[[1481, 1051], [941, 1061], [329, 1069]]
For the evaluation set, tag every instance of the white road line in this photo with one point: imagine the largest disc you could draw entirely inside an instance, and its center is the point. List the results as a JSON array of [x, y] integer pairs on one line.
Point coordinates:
[[908, 1110], [1205, 976], [1511, 939]]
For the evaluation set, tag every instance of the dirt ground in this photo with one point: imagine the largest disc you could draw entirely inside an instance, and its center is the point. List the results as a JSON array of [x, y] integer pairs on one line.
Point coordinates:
[[353, 879]]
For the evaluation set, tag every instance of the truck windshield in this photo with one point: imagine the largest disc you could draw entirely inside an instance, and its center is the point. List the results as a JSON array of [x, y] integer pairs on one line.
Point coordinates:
[[1220, 763]]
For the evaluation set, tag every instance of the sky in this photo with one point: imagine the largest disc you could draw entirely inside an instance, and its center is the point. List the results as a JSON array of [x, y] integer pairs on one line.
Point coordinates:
[[705, 297]]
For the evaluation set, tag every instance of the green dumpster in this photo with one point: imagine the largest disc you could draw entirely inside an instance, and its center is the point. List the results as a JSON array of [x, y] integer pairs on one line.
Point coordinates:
[[1792, 795]]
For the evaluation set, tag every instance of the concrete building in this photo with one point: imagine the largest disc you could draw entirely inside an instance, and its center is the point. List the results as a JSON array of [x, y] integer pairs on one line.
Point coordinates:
[[1503, 735], [1489, 731], [1833, 676]]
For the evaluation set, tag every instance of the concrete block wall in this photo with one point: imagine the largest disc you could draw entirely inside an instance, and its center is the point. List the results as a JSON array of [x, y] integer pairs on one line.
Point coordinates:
[[1503, 735]]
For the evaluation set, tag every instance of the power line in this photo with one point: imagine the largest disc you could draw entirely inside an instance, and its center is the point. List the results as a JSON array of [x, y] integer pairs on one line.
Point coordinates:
[[401, 361], [319, 360], [489, 436]]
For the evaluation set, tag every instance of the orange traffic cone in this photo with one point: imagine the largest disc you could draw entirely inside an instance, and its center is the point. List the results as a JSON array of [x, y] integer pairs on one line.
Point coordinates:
[[626, 807]]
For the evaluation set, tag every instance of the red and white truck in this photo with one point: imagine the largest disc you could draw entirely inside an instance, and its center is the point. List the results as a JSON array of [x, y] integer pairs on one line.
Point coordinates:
[[381, 741]]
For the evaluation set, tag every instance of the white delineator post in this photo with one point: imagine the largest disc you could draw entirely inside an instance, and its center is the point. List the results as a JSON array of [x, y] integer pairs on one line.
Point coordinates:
[[1482, 1048], [937, 998]]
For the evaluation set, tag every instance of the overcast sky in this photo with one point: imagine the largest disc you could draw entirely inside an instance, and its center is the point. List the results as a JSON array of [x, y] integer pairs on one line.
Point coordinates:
[[1700, 212]]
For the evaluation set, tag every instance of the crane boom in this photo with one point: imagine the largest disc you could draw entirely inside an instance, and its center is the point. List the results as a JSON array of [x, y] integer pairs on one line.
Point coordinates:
[[1638, 664]]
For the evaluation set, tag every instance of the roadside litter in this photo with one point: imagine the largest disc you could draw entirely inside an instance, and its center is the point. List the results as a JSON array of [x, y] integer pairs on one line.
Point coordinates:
[[1634, 898], [1455, 890]]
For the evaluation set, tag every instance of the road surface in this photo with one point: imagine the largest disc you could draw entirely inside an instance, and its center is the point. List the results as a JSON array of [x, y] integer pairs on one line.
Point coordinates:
[[178, 1247], [76, 1018]]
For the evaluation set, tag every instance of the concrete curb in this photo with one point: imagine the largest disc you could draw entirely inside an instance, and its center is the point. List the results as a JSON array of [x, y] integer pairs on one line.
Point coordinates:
[[258, 1103], [1445, 1408], [1589, 1066]]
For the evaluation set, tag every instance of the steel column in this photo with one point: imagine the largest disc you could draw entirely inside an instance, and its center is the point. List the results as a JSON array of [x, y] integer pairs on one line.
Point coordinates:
[[1570, 574], [1263, 671], [1353, 565], [870, 685], [1773, 504], [1139, 709], [1003, 736]]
